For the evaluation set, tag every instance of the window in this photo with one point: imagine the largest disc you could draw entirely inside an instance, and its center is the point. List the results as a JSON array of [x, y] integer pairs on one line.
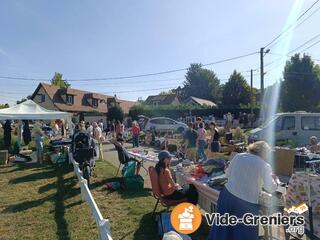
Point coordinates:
[[95, 102], [42, 98], [169, 121], [70, 99], [157, 121], [310, 123], [288, 123]]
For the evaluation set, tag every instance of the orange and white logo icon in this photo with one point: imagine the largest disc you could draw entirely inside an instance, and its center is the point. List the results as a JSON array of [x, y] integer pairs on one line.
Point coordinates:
[[186, 218]]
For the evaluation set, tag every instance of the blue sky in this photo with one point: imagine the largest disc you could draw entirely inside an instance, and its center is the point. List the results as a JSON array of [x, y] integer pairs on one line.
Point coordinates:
[[97, 39]]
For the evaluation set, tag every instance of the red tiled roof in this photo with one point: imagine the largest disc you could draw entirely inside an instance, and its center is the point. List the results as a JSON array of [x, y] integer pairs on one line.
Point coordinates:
[[81, 103]]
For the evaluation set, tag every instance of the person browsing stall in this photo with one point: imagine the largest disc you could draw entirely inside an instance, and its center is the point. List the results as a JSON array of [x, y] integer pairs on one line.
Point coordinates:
[[202, 140], [170, 189], [214, 146], [247, 174], [96, 132], [135, 133], [190, 138], [314, 146], [38, 137], [119, 129]]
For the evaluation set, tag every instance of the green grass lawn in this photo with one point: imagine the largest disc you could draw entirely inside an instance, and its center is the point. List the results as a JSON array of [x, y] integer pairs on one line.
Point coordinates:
[[44, 202]]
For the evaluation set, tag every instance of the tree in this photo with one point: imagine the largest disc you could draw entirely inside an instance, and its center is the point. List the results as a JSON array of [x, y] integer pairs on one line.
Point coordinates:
[[236, 91], [172, 91], [201, 83], [4, 106], [301, 84], [23, 99], [58, 81], [115, 112]]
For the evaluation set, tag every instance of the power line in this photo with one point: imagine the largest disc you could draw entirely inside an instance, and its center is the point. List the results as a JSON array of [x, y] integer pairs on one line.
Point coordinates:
[[294, 50], [133, 82], [294, 24], [140, 90], [305, 43], [317, 42], [295, 27], [132, 76]]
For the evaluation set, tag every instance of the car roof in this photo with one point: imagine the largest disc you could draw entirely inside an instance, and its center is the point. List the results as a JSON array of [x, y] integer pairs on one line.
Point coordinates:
[[161, 118], [298, 113]]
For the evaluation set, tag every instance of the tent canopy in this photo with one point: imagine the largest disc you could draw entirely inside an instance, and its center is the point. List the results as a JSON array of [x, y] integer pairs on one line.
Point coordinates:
[[29, 110]]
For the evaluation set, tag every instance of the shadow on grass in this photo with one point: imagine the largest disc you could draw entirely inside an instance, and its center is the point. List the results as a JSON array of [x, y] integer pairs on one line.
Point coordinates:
[[15, 167], [59, 210], [51, 186], [65, 189], [51, 173], [125, 193], [147, 228], [34, 177]]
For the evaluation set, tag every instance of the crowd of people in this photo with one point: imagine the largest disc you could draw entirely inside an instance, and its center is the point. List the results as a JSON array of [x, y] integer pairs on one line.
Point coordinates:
[[196, 139]]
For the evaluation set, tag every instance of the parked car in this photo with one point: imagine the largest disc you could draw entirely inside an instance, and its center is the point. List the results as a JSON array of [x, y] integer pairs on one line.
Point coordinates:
[[142, 121], [296, 126], [164, 123]]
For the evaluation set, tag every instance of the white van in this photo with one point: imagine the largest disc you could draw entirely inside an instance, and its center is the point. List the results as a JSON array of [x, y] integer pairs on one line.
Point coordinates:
[[295, 126]]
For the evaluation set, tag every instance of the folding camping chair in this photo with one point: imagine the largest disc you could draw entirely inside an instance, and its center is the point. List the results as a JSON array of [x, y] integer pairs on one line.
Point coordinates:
[[157, 192], [124, 158]]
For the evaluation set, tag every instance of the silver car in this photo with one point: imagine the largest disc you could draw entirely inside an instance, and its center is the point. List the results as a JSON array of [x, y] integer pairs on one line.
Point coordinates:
[[165, 124]]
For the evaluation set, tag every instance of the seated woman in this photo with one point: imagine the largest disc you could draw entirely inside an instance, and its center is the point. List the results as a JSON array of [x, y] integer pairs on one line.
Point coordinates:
[[247, 174], [169, 188], [314, 146], [123, 154]]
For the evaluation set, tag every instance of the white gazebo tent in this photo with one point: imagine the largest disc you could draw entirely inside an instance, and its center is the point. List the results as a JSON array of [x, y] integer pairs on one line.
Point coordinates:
[[29, 110]]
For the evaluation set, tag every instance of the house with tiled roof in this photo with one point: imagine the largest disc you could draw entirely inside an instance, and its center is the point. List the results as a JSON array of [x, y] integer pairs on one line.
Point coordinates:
[[194, 101], [165, 99], [78, 102]]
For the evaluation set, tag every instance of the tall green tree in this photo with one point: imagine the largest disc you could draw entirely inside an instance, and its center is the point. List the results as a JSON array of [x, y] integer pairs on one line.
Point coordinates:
[[301, 84], [201, 83], [115, 112], [57, 80], [236, 92]]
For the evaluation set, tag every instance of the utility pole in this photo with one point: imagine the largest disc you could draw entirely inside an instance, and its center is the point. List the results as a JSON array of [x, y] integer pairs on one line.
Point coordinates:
[[261, 75], [262, 53], [251, 90]]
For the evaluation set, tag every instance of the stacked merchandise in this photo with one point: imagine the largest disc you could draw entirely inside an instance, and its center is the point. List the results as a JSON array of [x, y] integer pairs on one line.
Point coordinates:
[[298, 193]]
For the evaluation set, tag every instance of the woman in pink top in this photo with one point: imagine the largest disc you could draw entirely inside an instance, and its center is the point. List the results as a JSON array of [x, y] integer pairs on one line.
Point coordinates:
[[202, 140]]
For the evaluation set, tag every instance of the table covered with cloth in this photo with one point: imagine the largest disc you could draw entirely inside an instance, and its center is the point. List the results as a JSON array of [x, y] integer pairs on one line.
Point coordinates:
[[208, 198], [297, 193]]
